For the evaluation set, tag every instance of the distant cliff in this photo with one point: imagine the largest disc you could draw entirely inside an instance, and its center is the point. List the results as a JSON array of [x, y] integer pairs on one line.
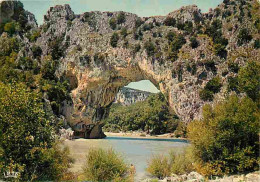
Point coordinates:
[[127, 96]]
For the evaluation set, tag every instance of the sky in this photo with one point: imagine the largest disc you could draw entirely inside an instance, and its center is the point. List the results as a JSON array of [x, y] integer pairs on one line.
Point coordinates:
[[143, 8]]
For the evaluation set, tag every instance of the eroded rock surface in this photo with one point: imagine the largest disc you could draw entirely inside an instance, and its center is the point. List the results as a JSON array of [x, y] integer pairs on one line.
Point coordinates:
[[97, 70]]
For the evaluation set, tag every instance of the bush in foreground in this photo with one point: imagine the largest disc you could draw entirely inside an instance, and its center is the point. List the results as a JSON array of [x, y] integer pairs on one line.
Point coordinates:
[[158, 166], [181, 163], [27, 144], [105, 165], [225, 141], [161, 166]]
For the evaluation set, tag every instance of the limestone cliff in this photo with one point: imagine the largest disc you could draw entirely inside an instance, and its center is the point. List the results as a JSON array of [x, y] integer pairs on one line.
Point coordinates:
[[127, 96], [13, 10], [101, 52]]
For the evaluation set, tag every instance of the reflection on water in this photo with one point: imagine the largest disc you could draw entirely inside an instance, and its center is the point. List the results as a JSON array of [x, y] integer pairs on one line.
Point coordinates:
[[135, 150]]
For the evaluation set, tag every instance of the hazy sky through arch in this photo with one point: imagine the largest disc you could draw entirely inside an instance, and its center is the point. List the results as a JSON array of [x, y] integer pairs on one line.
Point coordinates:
[[143, 8]]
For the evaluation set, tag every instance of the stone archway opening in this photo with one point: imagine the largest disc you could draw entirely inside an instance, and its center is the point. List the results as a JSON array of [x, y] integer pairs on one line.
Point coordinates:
[[133, 103], [95, 91]]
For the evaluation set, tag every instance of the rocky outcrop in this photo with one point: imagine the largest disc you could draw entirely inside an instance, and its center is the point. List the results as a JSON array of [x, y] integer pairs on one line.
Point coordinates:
[[13, 10], [196, 177], [97, 70], [127, 96]]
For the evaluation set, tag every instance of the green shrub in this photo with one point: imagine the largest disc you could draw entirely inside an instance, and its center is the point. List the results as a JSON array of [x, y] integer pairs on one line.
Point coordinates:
[[105, 165], [114, 39], [210, 65], [37, 51], [113, 23], [226, 140], [234, 67], [8, 45], [137, 48], [233, 84], [147, 26], [170, 36], [206, 95], [214, 85], [180, 25], [10, 28], [188, 26], [194, 42], [48, 68], [220, 50], [178, 42], [123, 32], [56, 48], [25, 63], [257, 44], [175, 43], [29, 147], [121, 18], [150, 48], [244, 36], [35, 35], [158, 166], [170, 21], [138, 22], [181, 130], [90, 18], [181, 163], [248, 79]]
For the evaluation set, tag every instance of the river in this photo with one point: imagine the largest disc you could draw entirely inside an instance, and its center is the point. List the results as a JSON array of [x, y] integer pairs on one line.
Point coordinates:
[[136, 151]]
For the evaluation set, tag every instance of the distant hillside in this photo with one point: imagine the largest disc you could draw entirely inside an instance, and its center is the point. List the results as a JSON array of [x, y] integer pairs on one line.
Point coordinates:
[[127, 96]]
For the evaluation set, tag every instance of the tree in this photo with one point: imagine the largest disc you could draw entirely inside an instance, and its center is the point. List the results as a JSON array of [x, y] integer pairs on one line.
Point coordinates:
[[26, 136], [121, 18], [225, 141], [151, 115], [48, 68], [249, 80], [35, 35], [124, 32], [257, 44], [170, 21], [37, 51], [244, 36], [150, 48], [56, 48], [138, 22], [10, 28], [114, 39], [213, 86], [112, 23], [194, 42]]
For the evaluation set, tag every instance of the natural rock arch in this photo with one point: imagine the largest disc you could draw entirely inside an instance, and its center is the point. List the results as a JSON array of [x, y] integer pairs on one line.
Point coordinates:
[[96, 70], [93, 95]]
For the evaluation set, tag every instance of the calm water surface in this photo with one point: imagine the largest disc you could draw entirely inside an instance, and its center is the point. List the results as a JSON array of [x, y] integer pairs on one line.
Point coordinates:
[[135, 150]]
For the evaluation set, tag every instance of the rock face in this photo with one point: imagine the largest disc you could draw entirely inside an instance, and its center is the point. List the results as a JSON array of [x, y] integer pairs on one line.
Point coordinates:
[[13, 10], [196, 177], [97, 70], [127, 96]]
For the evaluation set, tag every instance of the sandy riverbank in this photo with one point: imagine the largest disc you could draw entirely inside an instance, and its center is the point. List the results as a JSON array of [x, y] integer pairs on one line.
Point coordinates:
[[141, 135]]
